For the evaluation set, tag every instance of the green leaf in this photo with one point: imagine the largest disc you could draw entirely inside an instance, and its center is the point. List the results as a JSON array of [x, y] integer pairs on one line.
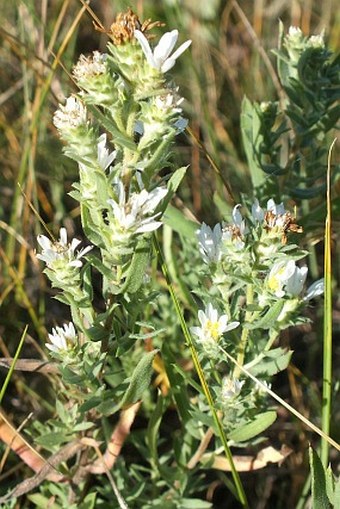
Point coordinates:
[[138, 266], [179, 223], [337, 492], [268, 320], [88, 502], [250, 129], [153, 428], [194, 503], [176, 179], [260, 423], [140, 380], [41, 502], [272, 362], [87, 283], [330, 485], [119, 138], [51, 439], [319, 496], [178, 384], [83, 426]]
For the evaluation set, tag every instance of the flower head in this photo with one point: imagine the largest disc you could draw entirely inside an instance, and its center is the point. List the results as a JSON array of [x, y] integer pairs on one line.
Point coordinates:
[[231, 387], [132, 215], [91, 66], [104, 157], [62, 338], [295, 283], [160, 58], [234, 233], [61, 251], [317, 288], [279, 276], [73, 114], [209, 242], [212, 326]]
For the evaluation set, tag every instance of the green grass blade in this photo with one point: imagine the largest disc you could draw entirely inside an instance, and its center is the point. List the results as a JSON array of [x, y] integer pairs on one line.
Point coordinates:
[[206, 390], [327, 329], [11, 369]]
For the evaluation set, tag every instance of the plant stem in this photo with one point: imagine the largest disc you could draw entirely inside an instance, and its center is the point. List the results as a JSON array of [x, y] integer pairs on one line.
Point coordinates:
[[327, 327], [245, 332], [205, 387]]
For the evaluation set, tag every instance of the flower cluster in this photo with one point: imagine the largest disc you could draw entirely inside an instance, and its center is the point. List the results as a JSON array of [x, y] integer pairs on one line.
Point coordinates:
[[257, 250], [119, 128]]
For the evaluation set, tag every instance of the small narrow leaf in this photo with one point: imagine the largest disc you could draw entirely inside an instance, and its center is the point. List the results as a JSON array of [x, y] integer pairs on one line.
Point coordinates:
[[138, 266], [269, 319], [260, 423], [140, 380], [319, 496]]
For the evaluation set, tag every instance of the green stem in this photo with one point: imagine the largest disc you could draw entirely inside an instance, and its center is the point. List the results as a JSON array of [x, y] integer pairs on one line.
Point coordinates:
[[327, 327], [245, 332], [205, 387]]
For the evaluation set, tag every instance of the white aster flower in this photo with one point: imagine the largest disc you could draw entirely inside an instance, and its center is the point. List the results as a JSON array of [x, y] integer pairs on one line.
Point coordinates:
[[231, 387], [279, 275], [104, 156], [276, 209], [295, 32], [212, 326], [317, 288], [209, 243], [160, 58], [257, 211], [71, 115], [133, 214], [234, 233], [62, 338], [61, 250], [90, 66], [295, 283], [317, 41]]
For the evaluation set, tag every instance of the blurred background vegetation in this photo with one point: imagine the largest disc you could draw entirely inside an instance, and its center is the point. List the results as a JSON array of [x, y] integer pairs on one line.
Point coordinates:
[[230, 57]]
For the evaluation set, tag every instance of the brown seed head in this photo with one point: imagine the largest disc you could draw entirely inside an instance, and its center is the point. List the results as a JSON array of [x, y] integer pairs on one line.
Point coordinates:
[[123, 28]]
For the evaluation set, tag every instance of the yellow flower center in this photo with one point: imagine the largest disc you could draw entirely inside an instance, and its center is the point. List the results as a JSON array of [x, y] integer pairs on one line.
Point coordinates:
[[213, 330]]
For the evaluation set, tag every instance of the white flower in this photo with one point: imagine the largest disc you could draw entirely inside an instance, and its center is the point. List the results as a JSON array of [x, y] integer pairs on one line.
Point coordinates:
[[169, 103], [104, 157], [273, 209], [276, 209], [279, 275], [132, 214], [90, 66], [295, 32], [234, 233], [71, 115], [212, 326], [317, 288], [231, 387], [62, 338], [209, 242], [295, 283], [317, 41], [160, 58], [257, 211], [61, 250]]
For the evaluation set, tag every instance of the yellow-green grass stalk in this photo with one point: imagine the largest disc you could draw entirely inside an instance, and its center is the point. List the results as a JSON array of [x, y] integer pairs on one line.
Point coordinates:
[[11, 369], [38, 103], [327, 327], [205, 387]]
